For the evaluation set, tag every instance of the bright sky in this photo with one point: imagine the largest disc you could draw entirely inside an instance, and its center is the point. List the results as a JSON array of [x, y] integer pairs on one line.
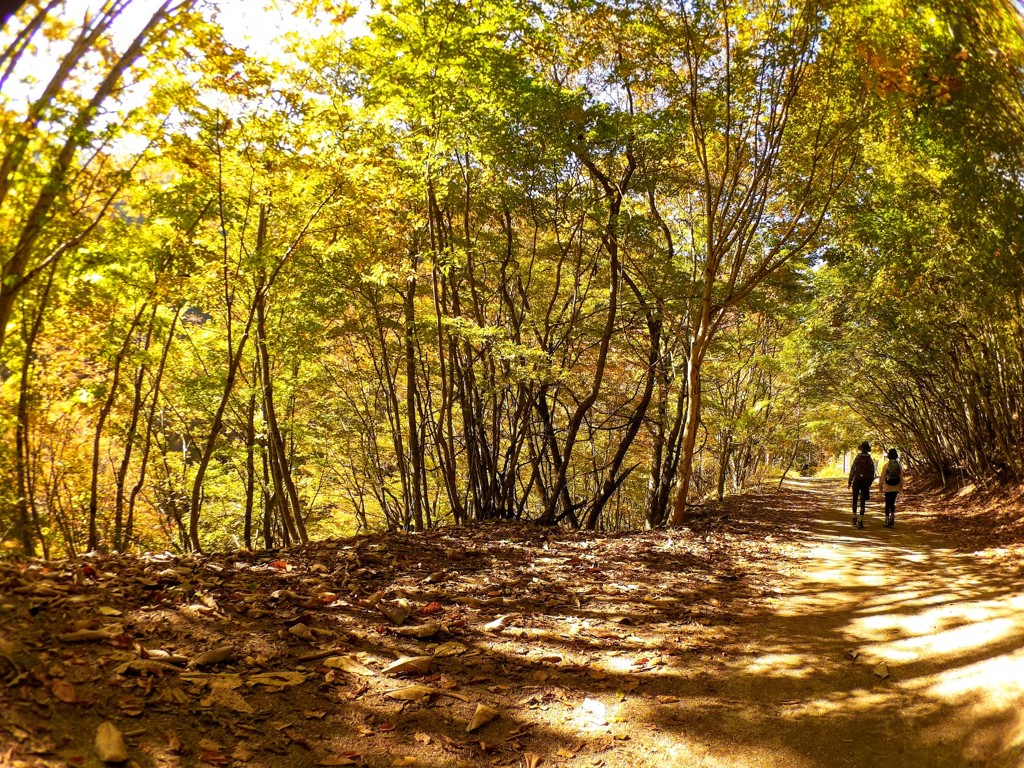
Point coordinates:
[[252, 24]]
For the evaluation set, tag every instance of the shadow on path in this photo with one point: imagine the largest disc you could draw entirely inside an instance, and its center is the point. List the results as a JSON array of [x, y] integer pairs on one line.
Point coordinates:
[[883, 647]]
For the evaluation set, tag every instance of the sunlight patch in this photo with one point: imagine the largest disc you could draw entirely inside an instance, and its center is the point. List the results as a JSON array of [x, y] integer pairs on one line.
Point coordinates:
[[780, 665]]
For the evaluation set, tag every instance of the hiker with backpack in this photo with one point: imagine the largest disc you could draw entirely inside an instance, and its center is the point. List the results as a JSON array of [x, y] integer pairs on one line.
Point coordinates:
[[890, 482], [862, 475]]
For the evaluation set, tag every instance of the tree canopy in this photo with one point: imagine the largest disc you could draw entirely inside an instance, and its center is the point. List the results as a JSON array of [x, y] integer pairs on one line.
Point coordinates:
[[576, 263]]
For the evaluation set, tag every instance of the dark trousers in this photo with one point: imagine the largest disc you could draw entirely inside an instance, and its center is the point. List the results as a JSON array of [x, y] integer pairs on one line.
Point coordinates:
[[890, 503], [861, 492]]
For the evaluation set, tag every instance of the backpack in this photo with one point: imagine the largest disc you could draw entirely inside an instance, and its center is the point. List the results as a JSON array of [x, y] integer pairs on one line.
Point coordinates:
[[892, 473], [863, 468]]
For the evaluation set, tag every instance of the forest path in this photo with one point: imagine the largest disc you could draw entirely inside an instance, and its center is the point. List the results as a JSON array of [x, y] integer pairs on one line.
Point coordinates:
[[753, 638], [800, 683]]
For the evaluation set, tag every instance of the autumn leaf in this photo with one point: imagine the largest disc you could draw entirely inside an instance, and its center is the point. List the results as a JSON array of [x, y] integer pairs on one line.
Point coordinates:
[[64, 691], [346, 664], [110, 746], [411, 693], [213, 656], [483, 715], [409, 665]]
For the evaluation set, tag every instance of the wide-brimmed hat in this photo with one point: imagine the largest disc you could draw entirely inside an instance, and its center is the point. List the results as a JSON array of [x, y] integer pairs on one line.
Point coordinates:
[[865, 447]]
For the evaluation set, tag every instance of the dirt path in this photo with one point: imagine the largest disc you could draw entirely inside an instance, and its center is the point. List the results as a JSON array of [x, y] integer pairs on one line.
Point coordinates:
[[754, 639], [798, 684]]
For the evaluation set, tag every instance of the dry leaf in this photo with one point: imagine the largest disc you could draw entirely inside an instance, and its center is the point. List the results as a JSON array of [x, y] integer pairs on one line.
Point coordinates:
[[882, 671], [138, 666], [215, 758], [396, 614], [108, 611], [497, 625], [214, 656], [242, 754], [64, 691], [411, 693], [531, 760], [174, 745], [228, 698], [302, 632], [409, 665], [345, 664], [422, 738], [110, 746], [91, 635], [277, 679], [449, 649], [404, 761], [483, 715], [419, 631]]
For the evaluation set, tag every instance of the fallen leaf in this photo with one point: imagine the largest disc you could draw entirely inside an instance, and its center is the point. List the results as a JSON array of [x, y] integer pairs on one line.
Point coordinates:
[[110, 746], [422, 738], [174, 745], [409, 665], [64, 691], [214, 656], [106, 610], [242, 754], [346, 664], [531, 760], [497, 625], [396, 614], [452, 648], [151, 666], [404, 761], [411, 693], [483, 715], [91, 635], [215, 758], [882, 671], [419, 631], [277, 679], [227, 698], [302, 632]]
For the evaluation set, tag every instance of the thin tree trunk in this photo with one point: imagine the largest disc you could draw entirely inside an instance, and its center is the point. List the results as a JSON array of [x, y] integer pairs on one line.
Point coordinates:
[[129, 524], [129, 439], [101, 420]]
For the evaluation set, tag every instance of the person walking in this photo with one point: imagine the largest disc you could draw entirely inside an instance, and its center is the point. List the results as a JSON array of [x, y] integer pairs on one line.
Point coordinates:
[[862, 475], [890, 482]]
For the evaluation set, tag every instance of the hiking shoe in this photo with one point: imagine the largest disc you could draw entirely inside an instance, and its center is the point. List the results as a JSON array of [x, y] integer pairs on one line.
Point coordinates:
[[860, 524]]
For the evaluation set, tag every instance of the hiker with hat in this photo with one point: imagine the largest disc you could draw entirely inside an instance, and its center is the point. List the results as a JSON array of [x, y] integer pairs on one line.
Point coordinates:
[[862, 475]]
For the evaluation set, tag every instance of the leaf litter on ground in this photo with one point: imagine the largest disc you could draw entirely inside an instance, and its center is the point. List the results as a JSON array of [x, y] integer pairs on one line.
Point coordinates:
[[548, 627]]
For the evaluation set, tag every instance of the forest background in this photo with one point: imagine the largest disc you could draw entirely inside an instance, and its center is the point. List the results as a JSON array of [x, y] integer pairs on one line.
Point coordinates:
[[582, 263]]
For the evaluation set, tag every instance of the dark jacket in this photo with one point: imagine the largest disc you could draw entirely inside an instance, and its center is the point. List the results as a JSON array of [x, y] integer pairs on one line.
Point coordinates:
[[859, 459]]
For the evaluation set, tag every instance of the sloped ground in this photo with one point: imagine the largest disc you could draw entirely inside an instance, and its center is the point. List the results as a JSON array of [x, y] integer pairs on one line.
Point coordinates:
[[770, 634]]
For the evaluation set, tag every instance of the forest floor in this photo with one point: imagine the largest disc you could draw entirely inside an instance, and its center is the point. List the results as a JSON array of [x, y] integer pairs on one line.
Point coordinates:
[[769, 633]]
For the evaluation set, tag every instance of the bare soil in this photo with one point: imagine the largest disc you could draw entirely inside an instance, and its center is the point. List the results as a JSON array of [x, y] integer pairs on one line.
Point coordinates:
[[768, 633]]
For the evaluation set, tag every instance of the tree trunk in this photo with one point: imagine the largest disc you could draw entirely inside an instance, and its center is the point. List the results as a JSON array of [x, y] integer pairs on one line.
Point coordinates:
[[150, 421], [108, 404]]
